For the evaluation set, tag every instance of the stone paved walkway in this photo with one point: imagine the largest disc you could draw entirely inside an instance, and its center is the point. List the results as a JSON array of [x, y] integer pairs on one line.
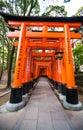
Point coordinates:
[[44, 111]]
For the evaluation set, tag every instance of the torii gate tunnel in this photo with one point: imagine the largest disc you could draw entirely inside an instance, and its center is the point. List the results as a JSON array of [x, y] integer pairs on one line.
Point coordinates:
[[44, 51]]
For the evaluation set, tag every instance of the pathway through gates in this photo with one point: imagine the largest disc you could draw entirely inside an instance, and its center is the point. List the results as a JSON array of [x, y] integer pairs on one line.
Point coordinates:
[[44, 49]]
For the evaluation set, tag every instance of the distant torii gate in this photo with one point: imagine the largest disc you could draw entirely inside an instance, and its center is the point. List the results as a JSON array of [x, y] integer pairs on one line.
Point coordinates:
[[30, 63]]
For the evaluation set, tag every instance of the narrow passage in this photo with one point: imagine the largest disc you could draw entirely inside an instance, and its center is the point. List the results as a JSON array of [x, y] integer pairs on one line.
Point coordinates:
[[44, 111]]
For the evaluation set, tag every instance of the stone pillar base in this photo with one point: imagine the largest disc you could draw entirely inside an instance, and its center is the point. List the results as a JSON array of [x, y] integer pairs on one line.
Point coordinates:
[[24, 88], [62, 97], [16, 101], [71, 101], [75, 107], [63, 89], [24, 96], [14, 106], [72, 95], [16, 95]]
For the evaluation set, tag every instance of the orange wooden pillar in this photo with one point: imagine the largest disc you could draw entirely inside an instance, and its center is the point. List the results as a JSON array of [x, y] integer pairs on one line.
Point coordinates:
[[30, 72], [63, 70], [71, 90], [54, 68], [58, 73], [16, 101], [16, 92], [52, 78], [25, 68], [36, 70], [34, 67], [63, 77], [28, 79]]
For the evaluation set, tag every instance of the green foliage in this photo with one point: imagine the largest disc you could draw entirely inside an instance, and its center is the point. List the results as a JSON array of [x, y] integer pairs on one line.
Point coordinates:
[[79, 12], [6, 7], [78, 51], [55, 11], [20, 7], [16, 7], [78, 56]]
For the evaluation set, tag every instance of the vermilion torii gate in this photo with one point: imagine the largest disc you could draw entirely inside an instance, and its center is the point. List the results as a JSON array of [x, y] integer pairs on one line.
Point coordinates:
[[56, 64]]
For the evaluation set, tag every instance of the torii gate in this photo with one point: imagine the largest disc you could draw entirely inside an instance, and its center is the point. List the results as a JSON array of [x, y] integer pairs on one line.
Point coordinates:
[[61, 63], [44, 63]]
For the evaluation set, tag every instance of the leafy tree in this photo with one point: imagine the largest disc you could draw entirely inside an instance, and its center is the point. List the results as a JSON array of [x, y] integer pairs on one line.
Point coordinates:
[[20, 7], [7, 49], [78, 57], [55, 11], [79, 12], [2, 46], [78, 51]]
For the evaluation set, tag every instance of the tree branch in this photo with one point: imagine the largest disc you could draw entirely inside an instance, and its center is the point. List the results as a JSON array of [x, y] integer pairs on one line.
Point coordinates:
[[33, 4]]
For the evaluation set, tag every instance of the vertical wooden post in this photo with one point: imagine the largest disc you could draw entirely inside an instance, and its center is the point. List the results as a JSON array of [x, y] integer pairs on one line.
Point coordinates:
[[50, 70], [59, 74], [71, 95], [63, 77], [16, 101], [35, 69], [54, 72], [31, 67], [24, 82], [28, 70], [16, 91], [31, 80], [53, 63]]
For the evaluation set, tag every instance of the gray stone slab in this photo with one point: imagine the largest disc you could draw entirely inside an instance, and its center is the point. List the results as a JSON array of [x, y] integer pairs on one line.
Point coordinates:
[[43, 108], [31, 113], [78, 123], [44, 116], [57, 115], [61, 125], [8, 120], [28, 125], [44, 124]]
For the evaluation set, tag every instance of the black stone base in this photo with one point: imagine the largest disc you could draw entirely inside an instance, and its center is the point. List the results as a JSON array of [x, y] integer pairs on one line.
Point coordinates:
[[72, 96], [63, 89], [24, 89], [16, 95], [59, 87], [56, 85], [35, 81], [27, 87], [51, 81], [31, 84]]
